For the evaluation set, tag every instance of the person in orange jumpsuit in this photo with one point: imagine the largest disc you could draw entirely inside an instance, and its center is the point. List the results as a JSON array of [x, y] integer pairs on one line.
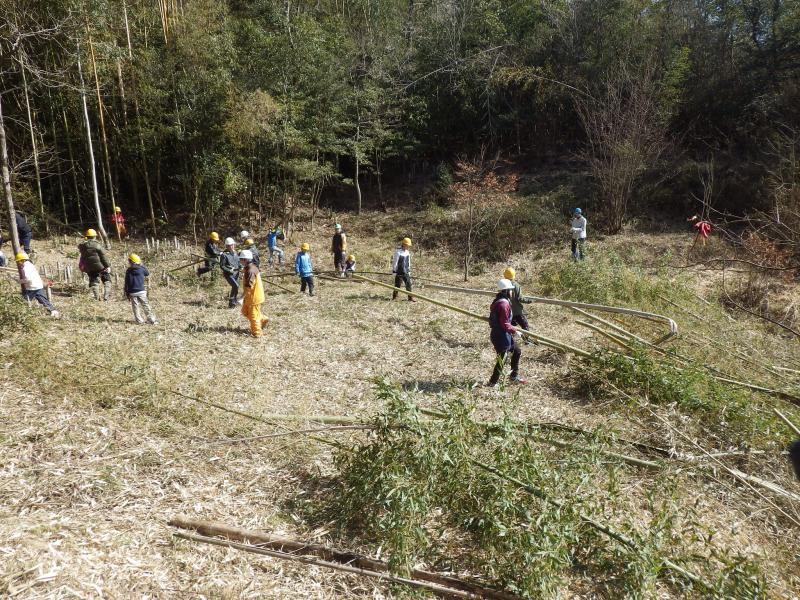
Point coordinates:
[[253, 293]]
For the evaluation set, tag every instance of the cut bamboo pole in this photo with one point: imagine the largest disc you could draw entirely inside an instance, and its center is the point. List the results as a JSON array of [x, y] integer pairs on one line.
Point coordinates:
[[540, 338], [282, 544], [786, 420], [673, 327], [614, 338], [278, 285], [435, 588]]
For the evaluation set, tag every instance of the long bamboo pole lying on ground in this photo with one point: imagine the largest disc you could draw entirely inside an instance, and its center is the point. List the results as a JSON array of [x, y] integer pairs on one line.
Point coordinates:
[[340, 557], [673, 327], [539, 338]]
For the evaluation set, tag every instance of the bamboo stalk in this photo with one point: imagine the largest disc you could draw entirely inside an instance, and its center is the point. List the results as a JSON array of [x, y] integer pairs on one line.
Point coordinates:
[[540, 338], [435, 588], [786, 420], [614, 338], [282, 544], [673, 327]]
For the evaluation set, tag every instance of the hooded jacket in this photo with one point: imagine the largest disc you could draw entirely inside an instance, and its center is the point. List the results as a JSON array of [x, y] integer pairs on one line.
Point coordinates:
[[134, 279], [93, 256]]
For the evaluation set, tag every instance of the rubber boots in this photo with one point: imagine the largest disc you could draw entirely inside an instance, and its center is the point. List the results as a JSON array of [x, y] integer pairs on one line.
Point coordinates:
[[106, 291], [95, 287]]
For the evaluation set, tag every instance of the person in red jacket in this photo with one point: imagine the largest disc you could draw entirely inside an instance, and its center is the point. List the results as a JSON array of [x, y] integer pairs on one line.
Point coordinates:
[[702, 227], [118, 219], [502, 334]]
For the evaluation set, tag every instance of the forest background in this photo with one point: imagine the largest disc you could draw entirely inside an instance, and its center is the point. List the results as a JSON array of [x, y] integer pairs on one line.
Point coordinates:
[[201, 110]]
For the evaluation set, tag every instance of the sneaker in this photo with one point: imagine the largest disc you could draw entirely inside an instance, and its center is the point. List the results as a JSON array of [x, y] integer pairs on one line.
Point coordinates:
[[240, 301], [412, 299], [494, 385], [519, 380], [55, 314]]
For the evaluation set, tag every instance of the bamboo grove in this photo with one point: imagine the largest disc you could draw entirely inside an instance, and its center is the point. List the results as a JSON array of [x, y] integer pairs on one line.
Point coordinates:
[[186, 111]]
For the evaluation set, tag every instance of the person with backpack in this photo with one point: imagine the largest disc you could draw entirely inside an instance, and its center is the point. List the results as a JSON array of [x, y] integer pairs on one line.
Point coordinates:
[[253, 294], [230, 265], [212, 254], [401, 267], [338, 249], [518, 317], [249, 244], [136, 292], [32, 284], [273, 236], [94, 262], [578, 230], [304, 269], [502, 334]]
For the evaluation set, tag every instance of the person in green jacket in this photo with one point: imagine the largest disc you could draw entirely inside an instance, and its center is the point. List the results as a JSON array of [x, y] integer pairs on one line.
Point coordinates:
[[94, 262]]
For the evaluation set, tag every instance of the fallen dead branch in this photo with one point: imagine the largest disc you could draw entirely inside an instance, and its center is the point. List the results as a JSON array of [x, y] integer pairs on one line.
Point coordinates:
[[288, 549]]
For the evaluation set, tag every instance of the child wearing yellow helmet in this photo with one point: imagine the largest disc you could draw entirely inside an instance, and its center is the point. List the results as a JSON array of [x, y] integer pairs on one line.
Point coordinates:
[[32, 284], [95, 263], [212, 254], [517, 298], [401, 267], [350, 265], [304, 268], [135, 290]]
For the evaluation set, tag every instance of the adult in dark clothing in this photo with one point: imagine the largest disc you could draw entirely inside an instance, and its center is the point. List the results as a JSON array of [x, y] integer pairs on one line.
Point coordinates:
[[339, 250], [212, 254], [24, 232], [502, 334], [230, 265], [94, 262], [401, 267]]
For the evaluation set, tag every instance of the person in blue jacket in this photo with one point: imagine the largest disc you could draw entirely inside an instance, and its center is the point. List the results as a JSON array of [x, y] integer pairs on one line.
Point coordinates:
[[304, 268], [273, 236], [136, 292]]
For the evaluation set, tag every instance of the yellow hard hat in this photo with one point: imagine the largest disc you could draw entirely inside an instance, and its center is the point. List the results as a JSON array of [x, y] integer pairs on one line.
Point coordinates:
[[214, 237], [510, 273], [20, 256], [90, 233], [134, 258], [117, 209], [351, 257], [406, 242], [305, 246], [249, 242]]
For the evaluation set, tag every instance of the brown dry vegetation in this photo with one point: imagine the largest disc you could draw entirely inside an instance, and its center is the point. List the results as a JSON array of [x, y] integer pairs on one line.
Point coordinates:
[[96, 452]]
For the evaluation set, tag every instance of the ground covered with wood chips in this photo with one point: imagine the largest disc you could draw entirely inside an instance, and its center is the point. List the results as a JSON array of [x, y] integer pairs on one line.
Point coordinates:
[[100, 442]]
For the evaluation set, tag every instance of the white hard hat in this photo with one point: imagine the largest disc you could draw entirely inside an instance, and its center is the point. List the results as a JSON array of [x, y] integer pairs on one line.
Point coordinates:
[[244, 234], [246, 255], [337, 226], [504, 284], [229, 242]]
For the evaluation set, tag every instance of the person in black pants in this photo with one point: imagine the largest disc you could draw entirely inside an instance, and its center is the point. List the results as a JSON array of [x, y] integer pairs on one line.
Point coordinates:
[[794, 456], [212, 254], [401, 267], [230, 265], [338, 249], [502, 334], [24, 232]]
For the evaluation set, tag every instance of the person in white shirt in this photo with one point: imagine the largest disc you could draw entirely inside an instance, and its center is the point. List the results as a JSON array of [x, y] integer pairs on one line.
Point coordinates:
[[578, 229], [401, 267], [32, 285]]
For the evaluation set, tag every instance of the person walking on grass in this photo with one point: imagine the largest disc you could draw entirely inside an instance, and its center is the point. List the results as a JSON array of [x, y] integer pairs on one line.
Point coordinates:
[[518, 318], [401, 267], [118, 219], [794, 456], [32, 284], [253, 294], [502, 334], [578, 229], [304, 269], [136, 292], [249, 244], [230, 265], [273, 236], [212, 254], [338, 249], [94, 262]]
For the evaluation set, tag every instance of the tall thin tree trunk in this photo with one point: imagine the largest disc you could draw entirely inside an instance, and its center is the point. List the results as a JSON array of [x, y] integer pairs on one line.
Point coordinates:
[[145, 170], [99, 212], [72, 166], [106, 154], [358, 165], [34, 146], [57, 156], [12, 215]]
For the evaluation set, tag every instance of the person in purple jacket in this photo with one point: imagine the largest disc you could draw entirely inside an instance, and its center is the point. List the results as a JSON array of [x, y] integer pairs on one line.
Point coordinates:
[[502, 334]]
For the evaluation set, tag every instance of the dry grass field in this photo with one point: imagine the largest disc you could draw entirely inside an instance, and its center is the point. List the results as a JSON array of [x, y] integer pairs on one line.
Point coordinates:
[[101, 442]]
